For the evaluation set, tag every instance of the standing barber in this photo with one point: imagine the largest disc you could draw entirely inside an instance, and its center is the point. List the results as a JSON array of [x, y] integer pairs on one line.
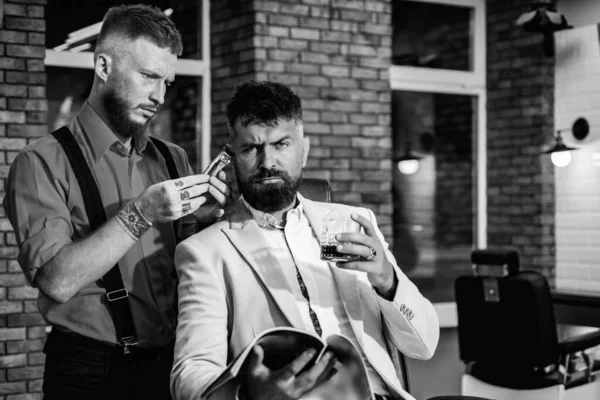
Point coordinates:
[[107, 285]]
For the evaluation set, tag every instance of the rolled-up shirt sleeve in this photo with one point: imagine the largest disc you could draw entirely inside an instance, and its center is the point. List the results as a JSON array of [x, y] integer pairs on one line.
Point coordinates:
[[36, 205]]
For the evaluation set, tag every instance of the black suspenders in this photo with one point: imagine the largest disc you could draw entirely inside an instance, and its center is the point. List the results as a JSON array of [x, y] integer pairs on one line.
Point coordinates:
[[116, 293]]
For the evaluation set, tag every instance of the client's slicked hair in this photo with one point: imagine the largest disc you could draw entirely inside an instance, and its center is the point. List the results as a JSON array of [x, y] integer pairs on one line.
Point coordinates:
[[262, 103], [130, 22]]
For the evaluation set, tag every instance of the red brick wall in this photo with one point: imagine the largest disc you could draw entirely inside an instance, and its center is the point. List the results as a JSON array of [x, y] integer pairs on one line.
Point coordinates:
[[520, 84], [22, 119], [336, 55]]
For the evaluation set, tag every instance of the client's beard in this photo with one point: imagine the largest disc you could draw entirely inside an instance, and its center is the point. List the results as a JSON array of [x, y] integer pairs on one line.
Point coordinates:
[[273, 196], [117, 109]]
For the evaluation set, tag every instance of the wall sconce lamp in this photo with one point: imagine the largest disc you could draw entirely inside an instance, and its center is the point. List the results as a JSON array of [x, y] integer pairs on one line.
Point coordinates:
[[408, 163], [544, 18], [560, 153]]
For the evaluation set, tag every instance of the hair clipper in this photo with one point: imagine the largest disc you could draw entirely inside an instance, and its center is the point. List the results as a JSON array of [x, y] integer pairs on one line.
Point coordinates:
[[222, 160]]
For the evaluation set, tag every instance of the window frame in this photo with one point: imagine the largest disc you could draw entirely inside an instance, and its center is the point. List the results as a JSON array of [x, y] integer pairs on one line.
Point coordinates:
[[459, 82], [472, 83]]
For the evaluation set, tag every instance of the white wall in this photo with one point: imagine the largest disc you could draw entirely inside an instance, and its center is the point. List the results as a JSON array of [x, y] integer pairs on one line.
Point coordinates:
[[577, 94], [580, 12]]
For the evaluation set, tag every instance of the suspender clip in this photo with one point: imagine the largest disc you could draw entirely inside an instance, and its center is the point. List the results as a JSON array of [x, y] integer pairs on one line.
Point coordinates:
[[117, 294], [127, 342]]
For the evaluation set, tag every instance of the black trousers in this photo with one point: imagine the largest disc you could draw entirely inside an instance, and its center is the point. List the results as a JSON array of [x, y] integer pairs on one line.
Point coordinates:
[[78, 367]]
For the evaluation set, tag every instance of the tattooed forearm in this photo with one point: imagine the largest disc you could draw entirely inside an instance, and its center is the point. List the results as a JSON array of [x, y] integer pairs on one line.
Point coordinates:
[[132, 220]]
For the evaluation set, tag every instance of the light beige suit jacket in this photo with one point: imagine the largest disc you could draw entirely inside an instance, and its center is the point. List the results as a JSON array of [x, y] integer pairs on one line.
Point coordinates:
[[226, 277]]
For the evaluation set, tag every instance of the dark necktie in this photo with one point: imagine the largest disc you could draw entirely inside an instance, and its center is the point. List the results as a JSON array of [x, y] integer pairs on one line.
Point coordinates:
[[313, 315]]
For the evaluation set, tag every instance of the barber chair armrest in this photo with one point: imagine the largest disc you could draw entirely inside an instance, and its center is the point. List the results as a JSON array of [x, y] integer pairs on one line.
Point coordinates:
[[574, 374], [578, 343]]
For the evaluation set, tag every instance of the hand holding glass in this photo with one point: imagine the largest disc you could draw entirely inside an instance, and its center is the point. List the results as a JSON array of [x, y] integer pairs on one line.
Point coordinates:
[[331, 227]]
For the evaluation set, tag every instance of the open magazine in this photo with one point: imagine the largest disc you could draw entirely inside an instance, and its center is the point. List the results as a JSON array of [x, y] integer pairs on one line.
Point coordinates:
[[282, 345]]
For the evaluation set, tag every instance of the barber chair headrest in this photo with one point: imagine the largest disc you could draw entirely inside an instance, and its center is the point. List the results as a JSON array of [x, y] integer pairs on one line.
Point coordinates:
[[495, 262], [316, 189]]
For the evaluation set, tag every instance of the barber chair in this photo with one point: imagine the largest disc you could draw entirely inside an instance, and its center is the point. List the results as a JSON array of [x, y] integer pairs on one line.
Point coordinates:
[[320, 190], [316, 189], [508, 339]]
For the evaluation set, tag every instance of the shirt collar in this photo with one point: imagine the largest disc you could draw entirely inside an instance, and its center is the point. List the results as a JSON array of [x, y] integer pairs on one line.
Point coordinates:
[[268, 221], [100, 136]]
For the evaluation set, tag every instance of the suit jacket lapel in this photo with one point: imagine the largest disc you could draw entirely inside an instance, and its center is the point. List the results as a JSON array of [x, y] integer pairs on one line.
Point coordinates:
[[248, 238], [346, 281], [348, 285]]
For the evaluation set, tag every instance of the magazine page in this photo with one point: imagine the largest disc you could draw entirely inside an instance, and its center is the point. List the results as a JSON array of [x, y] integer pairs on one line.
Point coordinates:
[[281, 346], [351, 381]]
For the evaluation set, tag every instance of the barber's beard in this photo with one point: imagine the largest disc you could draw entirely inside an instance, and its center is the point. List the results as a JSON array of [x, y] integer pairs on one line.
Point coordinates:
[[270, 197], [118, 113]]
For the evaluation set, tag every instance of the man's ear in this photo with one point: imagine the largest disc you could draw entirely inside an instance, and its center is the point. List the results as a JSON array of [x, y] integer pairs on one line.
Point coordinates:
[[103, 66], [305, 149]]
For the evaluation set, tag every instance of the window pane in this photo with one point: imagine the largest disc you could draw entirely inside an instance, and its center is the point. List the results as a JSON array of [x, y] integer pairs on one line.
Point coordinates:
[[432, 35], [65, 20], [434, 209], [178, 120], [66, 90]]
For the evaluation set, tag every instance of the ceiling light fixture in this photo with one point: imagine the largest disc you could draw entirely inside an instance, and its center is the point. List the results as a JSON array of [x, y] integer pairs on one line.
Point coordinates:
[[544, 18]]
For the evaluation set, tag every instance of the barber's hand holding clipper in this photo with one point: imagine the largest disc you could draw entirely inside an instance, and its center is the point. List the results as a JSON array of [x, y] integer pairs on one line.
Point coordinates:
[[173, 199]]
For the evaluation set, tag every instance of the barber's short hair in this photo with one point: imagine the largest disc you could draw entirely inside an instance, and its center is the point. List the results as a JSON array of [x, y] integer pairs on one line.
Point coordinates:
[[131, 22], [262, 103]]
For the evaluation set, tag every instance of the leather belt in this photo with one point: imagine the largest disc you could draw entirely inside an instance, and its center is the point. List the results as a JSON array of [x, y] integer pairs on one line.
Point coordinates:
[[58, 342]]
